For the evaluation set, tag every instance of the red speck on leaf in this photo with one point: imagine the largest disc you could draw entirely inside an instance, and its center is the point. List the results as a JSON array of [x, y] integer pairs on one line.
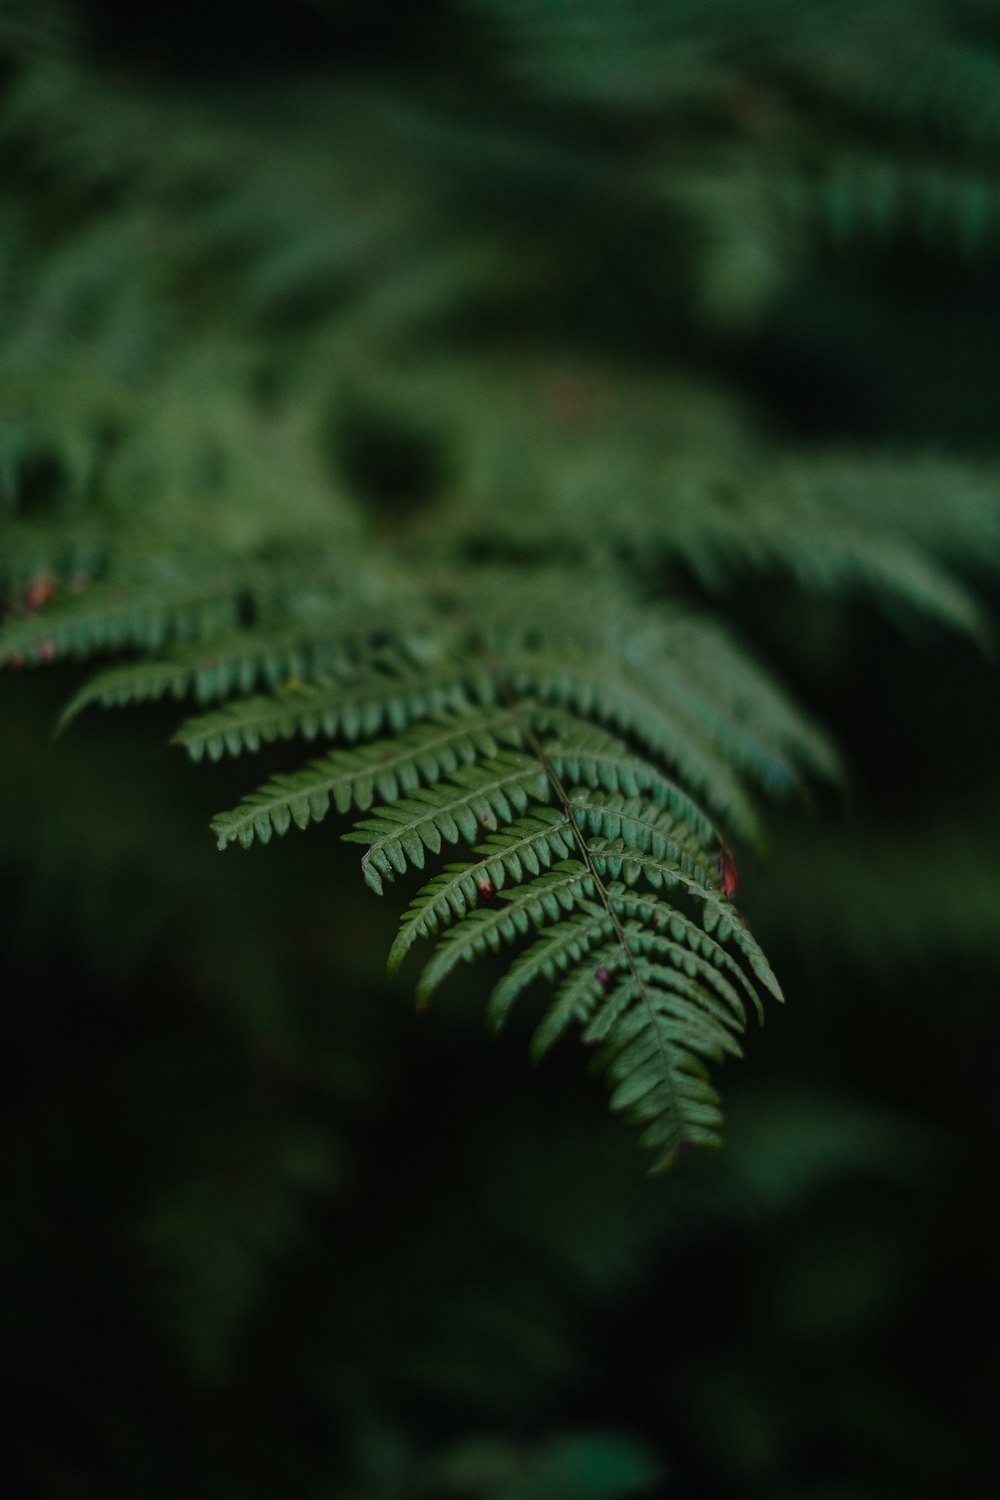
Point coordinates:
[[39, 591], [603, 978], [45, 650], [729, 875], [485, 889]]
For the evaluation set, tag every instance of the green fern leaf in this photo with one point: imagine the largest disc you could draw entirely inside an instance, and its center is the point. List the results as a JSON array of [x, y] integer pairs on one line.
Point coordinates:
[[677, 940], [720, 918], [590, 757], [526, 846], [607, 691], [657, 1033], [746, 716], [475, 798], [212, 669], [566, 885], [584, 1000], [642, 826], [729, 1015], [558, 947], [577, 996], [355, 709], [659, 918], [352, 778], [108, 616]]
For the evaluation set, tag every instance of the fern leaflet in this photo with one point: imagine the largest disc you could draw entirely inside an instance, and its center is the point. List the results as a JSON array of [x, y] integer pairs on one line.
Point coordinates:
[[351, 778]]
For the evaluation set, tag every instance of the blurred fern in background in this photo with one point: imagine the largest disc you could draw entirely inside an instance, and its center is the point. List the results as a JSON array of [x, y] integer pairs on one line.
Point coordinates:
[[576, 424]]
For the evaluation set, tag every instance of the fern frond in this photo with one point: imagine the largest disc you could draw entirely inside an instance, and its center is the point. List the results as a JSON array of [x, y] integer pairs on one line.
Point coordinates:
[[657, 1022], [527, 845], [475, 798], [109, 616], [619, 861], [352, 778], [660, 920], [583, 1000], [657, 1026], [532, 843], [639, 927], [608, 691], [566, 885], [602, 1023], [214, 668], [662, 991], [888, 568], [518, 685], [646, 834], [749, 719], [642, 826], [515, 743], [723, 503], [654, 1063], [557, 949], [305, 629], [353, 708], [591, 758], [889, 525]]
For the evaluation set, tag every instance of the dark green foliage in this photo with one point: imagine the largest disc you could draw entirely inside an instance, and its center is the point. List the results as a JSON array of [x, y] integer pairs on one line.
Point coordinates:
[[490, 723], [548, 448], [194, 517]]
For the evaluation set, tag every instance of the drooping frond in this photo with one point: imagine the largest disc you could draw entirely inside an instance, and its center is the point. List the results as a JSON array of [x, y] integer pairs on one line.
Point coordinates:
[[493, 738], [654, 1060], [480, 570], [661, 993]]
